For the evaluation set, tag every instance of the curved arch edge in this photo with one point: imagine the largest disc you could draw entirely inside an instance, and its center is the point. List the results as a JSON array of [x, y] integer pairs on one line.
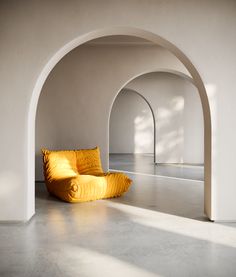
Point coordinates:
[[117, 30]]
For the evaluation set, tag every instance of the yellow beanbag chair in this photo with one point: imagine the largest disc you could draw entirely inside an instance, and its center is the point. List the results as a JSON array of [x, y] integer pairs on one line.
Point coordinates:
[[77, 176]]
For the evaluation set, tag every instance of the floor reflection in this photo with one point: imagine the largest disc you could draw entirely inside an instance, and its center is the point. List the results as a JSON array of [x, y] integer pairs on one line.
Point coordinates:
[[143, 163]]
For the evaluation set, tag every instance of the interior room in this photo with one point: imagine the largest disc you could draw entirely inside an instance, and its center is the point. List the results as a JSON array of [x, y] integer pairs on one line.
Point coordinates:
[[117, 126]]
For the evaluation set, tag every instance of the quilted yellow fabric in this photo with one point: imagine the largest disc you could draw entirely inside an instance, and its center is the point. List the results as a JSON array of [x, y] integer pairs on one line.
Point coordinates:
[[64, 181], [65, 163], [84, 188], [59, 164], [88, 161]]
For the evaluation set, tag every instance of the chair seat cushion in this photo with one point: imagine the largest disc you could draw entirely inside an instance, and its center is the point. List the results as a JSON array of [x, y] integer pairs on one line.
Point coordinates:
[[84, 188]]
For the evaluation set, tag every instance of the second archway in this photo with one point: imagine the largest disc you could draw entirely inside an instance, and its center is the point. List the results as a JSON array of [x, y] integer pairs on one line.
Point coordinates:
[[157, 119]]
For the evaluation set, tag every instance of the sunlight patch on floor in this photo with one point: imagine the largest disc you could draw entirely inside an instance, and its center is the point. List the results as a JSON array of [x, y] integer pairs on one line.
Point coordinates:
[[108, 265], [209, 231]]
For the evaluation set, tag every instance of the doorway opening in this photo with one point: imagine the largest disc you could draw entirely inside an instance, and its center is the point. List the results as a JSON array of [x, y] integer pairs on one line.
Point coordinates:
[[159, 130], [106, 103], [132, 130]]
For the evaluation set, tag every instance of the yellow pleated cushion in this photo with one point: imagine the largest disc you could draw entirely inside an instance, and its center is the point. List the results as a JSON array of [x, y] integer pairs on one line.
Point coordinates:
[[84, 188], [65, 163], [89, 161]]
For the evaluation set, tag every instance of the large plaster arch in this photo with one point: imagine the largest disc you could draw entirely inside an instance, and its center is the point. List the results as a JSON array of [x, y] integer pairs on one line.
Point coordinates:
[[118, 30]]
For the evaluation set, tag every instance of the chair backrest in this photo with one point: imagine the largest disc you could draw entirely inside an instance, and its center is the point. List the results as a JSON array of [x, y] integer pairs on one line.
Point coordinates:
[[89, 161], [70, 163], [59, 164]]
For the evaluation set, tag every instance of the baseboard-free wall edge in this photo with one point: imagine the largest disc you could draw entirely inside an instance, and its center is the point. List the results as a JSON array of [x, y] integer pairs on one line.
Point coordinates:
[[125, 153], [181, 164], [152, 175], [224, 221], [16, 222]]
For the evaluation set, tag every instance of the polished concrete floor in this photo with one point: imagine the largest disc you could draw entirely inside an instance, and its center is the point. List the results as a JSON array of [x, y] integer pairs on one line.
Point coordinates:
[[156, 229], [144, 164]]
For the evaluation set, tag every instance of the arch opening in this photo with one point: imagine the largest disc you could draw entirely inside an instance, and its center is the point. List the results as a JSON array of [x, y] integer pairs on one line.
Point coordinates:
[[150, 110], [110, 32], [189, 170]]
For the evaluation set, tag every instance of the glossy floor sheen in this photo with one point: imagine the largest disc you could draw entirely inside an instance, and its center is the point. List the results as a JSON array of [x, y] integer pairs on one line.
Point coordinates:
[[156, 229], [144, 163]]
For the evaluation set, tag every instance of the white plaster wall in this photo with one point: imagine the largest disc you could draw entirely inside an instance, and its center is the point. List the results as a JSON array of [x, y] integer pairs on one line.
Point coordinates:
[[33, 31], [193, 126], [131, 125], [179, 117], [74, 106]]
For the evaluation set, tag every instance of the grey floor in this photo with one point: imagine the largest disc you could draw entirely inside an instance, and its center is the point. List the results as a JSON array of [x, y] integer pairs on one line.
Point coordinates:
[[156, 229], [144, 164]]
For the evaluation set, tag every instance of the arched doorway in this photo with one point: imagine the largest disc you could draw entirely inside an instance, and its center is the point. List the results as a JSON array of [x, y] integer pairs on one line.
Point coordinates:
[[178, 120], [134, 143], [109, 32]]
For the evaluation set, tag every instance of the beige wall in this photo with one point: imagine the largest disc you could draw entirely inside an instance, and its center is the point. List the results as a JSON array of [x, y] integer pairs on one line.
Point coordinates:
[[36, 34]]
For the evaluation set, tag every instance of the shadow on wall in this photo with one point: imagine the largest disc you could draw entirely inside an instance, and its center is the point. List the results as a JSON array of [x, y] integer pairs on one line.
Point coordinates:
[[170, 141], [132, 130], [178, 116]]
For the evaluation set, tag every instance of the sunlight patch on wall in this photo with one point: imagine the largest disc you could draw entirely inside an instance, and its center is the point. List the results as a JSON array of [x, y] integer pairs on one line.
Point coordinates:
[[9, 184], [170, 141], [143, 132]]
